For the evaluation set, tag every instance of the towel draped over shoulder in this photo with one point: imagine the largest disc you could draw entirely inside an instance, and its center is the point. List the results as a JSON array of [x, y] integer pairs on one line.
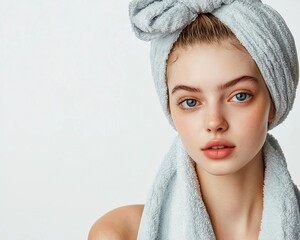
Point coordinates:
[[175, 210]]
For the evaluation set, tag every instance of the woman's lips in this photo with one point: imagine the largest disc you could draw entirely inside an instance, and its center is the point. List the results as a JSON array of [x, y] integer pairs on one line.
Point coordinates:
[[218, 149]]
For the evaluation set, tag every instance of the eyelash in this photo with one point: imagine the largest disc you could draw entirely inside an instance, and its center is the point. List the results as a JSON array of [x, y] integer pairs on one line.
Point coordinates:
[[248, 97]]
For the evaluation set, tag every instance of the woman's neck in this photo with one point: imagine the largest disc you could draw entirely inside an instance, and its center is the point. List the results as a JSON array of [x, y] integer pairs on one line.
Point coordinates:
[[235, 202]]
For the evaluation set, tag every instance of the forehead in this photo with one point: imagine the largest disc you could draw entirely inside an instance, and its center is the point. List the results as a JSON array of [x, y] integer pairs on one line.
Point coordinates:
[[217, 62]]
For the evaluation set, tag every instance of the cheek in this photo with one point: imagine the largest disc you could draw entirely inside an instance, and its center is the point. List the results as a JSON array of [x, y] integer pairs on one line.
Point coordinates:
[[255, 118], [188, 127], [185, 125], [252, 123]]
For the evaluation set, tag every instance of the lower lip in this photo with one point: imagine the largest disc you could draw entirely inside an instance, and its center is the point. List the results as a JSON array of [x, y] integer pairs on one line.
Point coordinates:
[[218, 153]]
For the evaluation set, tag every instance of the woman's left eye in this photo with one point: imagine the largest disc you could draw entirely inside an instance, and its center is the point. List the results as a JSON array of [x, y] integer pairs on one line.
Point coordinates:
[[241, 97]]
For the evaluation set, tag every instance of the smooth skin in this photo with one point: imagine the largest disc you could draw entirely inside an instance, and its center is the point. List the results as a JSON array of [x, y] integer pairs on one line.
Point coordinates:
[[119, 224], [215, 92]]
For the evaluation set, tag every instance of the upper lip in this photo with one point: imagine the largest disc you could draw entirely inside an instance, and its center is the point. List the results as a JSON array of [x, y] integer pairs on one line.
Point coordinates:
[[217, 142]]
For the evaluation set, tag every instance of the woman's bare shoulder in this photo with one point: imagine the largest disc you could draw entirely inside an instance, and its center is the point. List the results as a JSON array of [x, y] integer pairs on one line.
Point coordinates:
[[119, 224]]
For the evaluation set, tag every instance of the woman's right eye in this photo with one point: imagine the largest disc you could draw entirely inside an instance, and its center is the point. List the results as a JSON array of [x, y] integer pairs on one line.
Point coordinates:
[[189, 103]]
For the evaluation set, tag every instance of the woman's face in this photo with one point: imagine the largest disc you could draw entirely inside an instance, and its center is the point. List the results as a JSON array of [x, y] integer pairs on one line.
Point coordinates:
[[219, 104]]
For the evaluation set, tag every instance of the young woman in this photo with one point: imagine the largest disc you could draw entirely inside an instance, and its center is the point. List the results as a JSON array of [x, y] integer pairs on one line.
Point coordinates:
[[226, 72]]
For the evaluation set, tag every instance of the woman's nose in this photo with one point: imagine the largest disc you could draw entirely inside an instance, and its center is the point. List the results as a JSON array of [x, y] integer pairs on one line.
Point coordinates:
[[216, 122]]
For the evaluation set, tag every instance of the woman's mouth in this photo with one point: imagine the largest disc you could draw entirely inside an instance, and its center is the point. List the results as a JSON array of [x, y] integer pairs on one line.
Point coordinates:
[[218, 149]]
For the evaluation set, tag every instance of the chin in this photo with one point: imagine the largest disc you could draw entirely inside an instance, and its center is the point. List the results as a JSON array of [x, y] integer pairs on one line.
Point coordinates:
[[221, 169], [220, 173]]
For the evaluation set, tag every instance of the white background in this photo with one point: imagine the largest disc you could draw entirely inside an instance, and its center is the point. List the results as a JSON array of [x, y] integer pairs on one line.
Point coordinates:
[[81, 128]]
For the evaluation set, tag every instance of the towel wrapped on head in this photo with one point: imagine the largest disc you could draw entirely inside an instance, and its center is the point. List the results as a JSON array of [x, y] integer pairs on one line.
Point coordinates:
[[258, 27]]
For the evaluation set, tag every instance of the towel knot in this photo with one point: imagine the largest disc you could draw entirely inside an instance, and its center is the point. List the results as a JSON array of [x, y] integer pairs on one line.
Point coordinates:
[[157, 18]]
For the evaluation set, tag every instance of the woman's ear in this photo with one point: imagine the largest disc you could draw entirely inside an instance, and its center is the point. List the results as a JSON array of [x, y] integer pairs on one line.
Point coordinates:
[[271, 112]]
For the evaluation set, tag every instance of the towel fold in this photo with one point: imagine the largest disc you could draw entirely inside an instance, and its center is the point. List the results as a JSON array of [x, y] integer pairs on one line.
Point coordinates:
[[155, 18], [175, 210]]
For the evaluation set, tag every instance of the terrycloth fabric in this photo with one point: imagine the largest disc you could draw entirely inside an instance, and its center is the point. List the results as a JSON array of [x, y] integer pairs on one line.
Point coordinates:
[[175, 210], [259, 28]]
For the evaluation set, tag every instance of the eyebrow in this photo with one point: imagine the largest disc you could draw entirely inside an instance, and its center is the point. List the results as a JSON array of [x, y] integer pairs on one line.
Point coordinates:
[[221, 87]]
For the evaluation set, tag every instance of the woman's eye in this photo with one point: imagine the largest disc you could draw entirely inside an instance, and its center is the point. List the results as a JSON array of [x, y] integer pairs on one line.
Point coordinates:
[[241, 97], [189, 103]]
